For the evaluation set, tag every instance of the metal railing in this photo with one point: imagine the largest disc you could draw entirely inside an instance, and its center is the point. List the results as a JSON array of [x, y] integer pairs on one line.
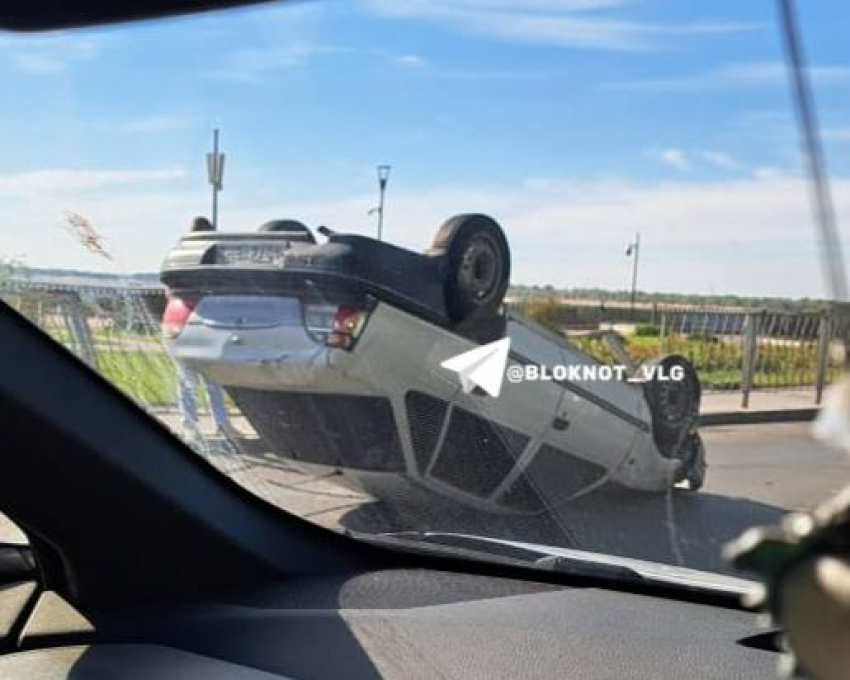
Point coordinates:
[[114, 328], [733, 349]]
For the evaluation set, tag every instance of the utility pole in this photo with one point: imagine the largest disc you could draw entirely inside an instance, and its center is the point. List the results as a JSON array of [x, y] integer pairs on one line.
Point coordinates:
[[215, 174], [634, 251]]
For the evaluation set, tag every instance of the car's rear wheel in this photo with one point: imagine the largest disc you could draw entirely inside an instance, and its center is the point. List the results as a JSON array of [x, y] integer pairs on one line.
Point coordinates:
[[478, 265]]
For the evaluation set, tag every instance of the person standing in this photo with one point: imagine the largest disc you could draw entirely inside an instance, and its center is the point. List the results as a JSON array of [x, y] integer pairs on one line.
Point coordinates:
[[190, 382]]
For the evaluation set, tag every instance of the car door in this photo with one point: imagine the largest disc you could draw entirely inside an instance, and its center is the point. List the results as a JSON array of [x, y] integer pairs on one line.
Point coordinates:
[[593, 422], [603, 413]]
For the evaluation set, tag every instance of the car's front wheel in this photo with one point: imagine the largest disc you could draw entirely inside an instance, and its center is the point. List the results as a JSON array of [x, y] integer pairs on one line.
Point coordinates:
[[672, 389], [694, 466]]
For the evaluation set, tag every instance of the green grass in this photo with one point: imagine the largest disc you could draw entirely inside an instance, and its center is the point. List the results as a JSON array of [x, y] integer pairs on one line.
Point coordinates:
[[109, 337], [148, 377], [719, 363]]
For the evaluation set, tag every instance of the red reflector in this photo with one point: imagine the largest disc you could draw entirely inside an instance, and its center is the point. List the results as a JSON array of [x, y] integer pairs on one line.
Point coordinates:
[[177, 313], [346, 319]]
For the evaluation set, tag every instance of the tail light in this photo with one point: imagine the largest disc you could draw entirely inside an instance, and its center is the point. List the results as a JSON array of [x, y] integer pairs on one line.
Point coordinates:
[[177, 313], [319, 319], [347, 325], [336, 325]]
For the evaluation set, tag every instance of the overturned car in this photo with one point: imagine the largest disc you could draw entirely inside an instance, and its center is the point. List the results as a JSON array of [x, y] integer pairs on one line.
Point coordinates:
[[334, 353]]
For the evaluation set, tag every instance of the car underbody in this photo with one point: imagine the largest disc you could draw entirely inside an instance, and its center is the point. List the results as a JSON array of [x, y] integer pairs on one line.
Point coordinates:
[[364, 395]]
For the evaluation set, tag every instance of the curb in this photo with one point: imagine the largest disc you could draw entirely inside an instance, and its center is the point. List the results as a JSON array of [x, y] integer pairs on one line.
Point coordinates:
[[793, 415]]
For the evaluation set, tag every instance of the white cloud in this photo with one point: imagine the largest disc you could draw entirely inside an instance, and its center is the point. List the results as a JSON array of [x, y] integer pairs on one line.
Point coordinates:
[[837, 134], [412, 61], [777, 72], [768, 173], [49, 54], [675, 158], [422, 66], [719, 159], [564, 23], [745, 74], [687, 159], [740, 236], [129, 207], [34, 63], [250, 64], [158, 122], [45, 182]]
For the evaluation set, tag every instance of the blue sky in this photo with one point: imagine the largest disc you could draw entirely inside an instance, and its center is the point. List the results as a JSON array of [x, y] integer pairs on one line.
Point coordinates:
[[575, 122]]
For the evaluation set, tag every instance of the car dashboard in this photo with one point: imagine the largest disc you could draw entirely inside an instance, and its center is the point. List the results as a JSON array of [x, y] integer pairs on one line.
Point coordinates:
[[399, 623]]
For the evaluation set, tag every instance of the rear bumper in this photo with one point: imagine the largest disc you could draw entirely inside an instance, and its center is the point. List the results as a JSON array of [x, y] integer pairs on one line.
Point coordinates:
[[347, 264], [284, 371]]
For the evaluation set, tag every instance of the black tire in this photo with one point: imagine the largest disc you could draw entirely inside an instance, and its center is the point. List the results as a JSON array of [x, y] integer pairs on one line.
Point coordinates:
[[299, 231], [674, 404], [694, 466], [478, 265]]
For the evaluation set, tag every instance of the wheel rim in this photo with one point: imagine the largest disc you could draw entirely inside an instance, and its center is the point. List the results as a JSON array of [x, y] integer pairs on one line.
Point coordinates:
[[677, 400], [480, 269]]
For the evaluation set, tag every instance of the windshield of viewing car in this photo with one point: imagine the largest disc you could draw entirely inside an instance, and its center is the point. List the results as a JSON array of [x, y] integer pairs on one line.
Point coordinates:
[[542, 273]]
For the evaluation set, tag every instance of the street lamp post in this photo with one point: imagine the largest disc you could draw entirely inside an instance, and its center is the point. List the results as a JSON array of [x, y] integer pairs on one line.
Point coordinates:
[[634, 250], [383, 178], [215, 173]]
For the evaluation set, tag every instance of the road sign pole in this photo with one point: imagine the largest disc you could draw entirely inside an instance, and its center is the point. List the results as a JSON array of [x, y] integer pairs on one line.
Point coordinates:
[[215, 184], [383, 178], [215, 173]]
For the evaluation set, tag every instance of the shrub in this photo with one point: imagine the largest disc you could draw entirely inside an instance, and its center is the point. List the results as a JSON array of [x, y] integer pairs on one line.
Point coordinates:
[[546, 311], [704, 337], [648, 330]]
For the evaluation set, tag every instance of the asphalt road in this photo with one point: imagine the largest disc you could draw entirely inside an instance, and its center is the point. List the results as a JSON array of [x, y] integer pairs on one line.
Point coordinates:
[[756, 474]]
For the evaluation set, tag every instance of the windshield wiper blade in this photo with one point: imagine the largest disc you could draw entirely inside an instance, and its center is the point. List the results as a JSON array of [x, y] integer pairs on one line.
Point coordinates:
[[574, 566], [464, 545], [569, 561]]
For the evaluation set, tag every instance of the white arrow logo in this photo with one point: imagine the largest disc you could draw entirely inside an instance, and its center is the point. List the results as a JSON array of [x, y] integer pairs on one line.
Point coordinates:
[[482, 367]]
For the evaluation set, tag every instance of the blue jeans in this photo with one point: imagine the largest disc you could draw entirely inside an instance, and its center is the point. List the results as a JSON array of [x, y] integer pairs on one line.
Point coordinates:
[[188, 384]]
